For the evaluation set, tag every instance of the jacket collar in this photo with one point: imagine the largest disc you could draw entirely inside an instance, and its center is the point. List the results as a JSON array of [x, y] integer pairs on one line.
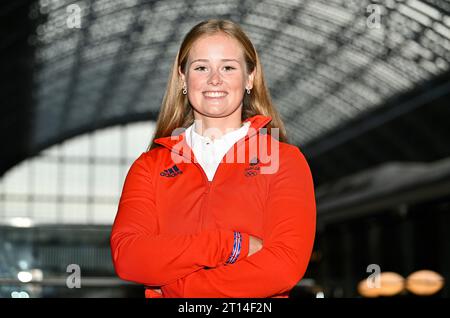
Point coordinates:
[[178, 143]]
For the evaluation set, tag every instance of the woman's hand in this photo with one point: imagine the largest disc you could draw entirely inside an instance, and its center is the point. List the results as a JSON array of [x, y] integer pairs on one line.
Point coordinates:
[[158, 290], [153, 292], [255, 245]]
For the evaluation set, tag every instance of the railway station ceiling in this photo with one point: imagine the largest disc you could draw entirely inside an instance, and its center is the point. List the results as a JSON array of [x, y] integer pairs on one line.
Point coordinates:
[[344, 74]]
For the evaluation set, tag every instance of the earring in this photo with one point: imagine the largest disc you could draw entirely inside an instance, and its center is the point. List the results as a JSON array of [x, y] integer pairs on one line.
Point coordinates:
[[248, 91], [184, 90]]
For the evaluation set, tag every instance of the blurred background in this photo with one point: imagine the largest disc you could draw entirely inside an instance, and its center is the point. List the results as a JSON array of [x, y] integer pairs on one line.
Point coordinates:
[[362, 86]]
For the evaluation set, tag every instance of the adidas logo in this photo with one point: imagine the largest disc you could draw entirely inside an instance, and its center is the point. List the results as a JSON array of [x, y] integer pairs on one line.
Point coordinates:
[[171, 172]]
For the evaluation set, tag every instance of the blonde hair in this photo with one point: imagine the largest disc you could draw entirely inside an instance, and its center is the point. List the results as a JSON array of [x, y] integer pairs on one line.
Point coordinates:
[[176, 111]]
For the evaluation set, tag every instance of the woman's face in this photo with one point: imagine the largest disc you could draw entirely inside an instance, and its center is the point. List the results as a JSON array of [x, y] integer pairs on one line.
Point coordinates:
[[216, 77]]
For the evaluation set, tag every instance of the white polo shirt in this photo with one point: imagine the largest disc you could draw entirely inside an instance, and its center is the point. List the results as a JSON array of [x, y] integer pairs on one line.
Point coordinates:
[[209, 153]]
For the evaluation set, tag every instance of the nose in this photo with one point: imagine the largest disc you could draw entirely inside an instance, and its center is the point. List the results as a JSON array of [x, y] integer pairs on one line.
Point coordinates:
[[214, 78]]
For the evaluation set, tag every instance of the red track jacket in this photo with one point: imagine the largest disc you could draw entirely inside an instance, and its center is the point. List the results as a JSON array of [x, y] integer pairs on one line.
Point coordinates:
[[175, 229]]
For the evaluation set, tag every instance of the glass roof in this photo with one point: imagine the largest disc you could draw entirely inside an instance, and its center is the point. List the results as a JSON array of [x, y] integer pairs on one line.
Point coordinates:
[[326, 62]]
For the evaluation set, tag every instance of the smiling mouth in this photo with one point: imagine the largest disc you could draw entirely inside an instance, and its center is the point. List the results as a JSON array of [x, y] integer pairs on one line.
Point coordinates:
[[215, 94]]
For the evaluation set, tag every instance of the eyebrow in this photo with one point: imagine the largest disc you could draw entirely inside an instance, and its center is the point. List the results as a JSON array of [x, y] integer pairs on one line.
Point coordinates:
[[206, 60]]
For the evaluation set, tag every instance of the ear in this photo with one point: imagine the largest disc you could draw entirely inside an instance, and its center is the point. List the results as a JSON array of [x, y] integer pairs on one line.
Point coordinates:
[[250, 79], [182, 76]]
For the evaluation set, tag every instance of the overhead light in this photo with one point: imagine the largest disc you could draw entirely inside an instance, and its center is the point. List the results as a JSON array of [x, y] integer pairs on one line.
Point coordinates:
[[320, 295], [21, 222], [424, 283], [390, 284], [25, 276], [367, 291], [21, 294], [31, 275], [37, 274]]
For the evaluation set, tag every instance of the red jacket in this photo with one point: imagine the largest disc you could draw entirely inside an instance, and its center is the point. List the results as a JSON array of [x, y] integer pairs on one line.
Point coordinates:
[[175, 229]]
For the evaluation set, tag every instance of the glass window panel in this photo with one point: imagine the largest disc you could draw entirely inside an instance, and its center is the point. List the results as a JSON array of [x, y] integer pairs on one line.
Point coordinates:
[[45, 179], [138, 137], [106, 181], [45, 212], [15, 209], [75, 213], [17, 179], [75, 179], [78, 146], [107, 143], [104, 213]]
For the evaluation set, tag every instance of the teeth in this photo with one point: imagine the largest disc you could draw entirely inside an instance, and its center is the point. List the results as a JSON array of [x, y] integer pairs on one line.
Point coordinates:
[[214, 94]]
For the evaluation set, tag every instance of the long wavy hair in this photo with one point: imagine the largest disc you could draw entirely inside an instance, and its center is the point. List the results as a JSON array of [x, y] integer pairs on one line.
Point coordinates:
[[176, 110]]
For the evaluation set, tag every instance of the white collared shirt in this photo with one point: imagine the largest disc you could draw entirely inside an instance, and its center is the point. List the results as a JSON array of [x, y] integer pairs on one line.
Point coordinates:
[[209, 153]]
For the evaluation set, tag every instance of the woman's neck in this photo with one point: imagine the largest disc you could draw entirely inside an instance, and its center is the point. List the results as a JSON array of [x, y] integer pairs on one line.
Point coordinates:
[[215, 128]]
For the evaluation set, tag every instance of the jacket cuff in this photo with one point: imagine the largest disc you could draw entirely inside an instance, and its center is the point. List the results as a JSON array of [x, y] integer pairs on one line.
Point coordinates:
[[240, 247], [237, 246]]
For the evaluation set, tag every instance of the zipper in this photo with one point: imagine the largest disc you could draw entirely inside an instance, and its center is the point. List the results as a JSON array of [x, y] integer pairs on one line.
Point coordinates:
[[205, 177], [209, 184]]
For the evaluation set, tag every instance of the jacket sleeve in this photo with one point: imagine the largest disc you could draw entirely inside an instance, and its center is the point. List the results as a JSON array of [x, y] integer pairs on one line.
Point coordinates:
[[142, 255], [289, 230]]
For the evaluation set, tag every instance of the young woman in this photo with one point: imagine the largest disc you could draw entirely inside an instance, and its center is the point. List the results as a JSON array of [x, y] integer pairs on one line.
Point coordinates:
[[224, 206]]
